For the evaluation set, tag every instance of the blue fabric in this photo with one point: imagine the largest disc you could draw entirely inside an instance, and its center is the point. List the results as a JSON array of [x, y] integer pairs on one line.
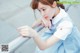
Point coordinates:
[[70, 45]]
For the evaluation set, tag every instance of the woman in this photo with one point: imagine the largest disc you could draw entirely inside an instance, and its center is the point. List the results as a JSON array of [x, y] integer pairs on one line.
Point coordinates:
[[62, 35]]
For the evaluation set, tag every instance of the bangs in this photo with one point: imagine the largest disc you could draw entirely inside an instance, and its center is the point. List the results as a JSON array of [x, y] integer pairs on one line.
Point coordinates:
[[35, 3]]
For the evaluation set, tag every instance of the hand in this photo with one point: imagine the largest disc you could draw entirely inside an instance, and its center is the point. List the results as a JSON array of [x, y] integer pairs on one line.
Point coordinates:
[[26, 31], [46, 22]]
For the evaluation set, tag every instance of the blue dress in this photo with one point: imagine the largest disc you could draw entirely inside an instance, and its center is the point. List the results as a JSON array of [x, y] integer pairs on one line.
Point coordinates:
[[70, 45]]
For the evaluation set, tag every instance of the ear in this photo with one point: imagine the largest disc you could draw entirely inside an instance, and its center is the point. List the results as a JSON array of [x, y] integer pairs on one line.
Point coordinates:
[[54, 4]]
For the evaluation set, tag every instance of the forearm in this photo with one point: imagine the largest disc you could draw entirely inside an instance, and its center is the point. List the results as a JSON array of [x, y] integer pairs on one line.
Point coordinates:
[[40, 43], [44, 44], [36, 24], [29, 32]]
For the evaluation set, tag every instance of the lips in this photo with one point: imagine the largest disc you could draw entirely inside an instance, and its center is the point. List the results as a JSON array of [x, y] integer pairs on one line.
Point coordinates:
[[46, 17]]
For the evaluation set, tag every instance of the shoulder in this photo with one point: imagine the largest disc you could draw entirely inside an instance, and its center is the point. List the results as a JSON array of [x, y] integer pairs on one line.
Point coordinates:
[[65, 23], [63, 29]]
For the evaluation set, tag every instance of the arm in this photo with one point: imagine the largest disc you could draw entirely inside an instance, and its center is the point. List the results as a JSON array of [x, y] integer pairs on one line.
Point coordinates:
[[37, 25], [60, 34], [45, 44], [62, 31], [26, 31]]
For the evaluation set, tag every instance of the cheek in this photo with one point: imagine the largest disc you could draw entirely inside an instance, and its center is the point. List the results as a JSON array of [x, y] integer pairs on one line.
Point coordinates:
[[51, 13], [48, 14]]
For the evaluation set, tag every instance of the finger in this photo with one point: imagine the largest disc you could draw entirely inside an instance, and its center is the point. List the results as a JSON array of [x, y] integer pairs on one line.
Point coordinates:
[[23, 27]]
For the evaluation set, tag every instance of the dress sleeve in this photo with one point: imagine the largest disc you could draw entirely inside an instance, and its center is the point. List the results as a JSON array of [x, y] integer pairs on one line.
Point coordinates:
[[63, 30]]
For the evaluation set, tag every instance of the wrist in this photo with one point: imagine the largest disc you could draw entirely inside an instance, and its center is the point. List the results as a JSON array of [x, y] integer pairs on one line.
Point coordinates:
[[35, 34]]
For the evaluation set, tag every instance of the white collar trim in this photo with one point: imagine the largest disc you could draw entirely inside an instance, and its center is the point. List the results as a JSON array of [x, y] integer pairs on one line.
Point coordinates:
[[61, 15]]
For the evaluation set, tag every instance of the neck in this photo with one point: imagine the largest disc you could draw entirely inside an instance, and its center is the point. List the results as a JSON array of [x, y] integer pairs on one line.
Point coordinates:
[[57, 11]]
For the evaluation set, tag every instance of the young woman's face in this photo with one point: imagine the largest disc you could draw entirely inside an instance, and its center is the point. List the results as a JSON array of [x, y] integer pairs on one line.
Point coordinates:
[[46, 10]]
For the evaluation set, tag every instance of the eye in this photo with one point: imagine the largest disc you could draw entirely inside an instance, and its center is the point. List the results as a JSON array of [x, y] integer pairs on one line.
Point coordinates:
[[43, 9], [39, 10]]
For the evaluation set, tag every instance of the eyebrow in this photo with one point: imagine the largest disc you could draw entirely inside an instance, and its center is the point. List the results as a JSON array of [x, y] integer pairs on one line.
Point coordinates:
[[41, 8]]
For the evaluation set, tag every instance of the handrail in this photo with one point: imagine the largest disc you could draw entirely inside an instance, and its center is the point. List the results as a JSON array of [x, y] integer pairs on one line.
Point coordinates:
[[16, 43]]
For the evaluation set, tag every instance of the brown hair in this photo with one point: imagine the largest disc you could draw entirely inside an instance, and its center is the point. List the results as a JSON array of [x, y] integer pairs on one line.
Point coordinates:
[[34, 3]]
